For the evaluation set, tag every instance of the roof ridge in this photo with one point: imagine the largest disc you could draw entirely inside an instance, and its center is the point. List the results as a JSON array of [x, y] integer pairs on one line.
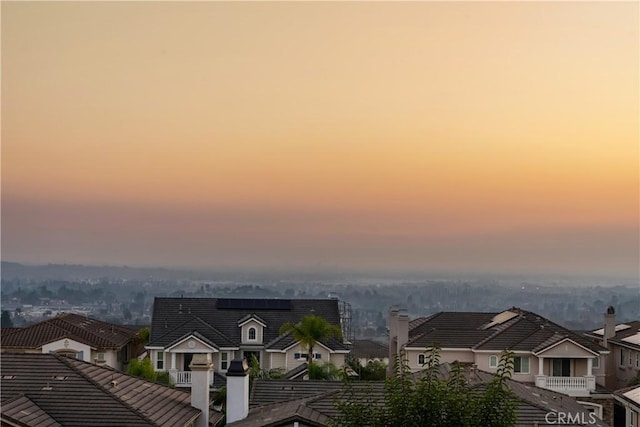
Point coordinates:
[[26, 396], [87, 331], [498, 331], [105, 391]]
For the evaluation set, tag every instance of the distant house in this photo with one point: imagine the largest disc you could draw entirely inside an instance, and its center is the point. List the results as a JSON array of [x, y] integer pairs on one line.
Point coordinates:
[[76, 336], [368, 351], [627, 407], [623, 342], [52, 390], [312, 403], [546, 354], [227, 329]]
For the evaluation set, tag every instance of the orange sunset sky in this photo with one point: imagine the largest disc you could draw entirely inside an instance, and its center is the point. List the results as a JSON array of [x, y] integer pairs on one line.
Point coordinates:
[[422, 136]]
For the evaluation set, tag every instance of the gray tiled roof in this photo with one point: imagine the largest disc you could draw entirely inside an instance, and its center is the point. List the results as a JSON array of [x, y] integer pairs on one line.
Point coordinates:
[[24, 412], [77, 393], [95, 333], [368, 349], [621, 335], [526, 331], [173, 318], [287, 398]]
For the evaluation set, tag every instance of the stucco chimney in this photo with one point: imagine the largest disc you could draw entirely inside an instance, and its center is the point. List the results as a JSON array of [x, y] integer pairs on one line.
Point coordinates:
[[200, 379], [609, 325], [403, 329], [393, 335], [237, 390]]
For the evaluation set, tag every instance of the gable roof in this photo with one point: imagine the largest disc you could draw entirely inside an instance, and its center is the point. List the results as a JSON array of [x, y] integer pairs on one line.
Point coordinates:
[[77, 393], [172, 316], [286, 341], [514, 329], [92, 332]]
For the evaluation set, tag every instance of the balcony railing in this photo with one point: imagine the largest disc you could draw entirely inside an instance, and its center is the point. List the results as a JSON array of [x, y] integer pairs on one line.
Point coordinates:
[[573, 386], [183, 378], [566, 383]]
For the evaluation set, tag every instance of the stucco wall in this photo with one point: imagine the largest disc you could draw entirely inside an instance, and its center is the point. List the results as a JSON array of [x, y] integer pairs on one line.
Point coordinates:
[[566, 349], [245, 332], [71, 345], [277, 360]]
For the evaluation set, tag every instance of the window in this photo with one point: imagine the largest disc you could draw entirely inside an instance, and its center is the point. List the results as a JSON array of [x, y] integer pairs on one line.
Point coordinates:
[[622, 357], [160, 361], [421, 359], [101, 357], [299, 356], [493, 361], [521, 365], [630, 357], [596, 362], [224, 361], [317, 356], [637, 360], [252, 334]]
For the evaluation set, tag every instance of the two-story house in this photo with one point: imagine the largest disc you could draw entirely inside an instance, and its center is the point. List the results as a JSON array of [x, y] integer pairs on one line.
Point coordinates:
[[75, 336], [623, 342], [546, 354], [226, 329]]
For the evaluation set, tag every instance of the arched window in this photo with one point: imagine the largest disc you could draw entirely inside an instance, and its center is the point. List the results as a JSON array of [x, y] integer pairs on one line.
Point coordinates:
[[421, 359], [252, 334]]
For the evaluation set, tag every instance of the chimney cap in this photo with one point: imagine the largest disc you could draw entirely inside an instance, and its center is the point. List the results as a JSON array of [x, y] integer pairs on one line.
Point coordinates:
[[238, 368], [611, 310]]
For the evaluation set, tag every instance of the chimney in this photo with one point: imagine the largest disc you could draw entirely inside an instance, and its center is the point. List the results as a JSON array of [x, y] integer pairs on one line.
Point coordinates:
[[200, 379], [393, 335], [403, 329], [237, 390], [609, 325]]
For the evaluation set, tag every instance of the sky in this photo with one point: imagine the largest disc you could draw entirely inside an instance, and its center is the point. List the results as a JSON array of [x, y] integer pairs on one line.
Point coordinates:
[[410, 136]]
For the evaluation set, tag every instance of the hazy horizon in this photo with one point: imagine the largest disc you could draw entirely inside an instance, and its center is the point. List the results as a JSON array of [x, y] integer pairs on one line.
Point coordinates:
[[413, 136]]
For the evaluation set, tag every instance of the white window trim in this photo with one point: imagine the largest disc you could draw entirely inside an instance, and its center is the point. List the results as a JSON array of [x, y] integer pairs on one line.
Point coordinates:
[[523, 372], [493, 361], [596, 363], [158, 359], [255, 330], [424, 359]]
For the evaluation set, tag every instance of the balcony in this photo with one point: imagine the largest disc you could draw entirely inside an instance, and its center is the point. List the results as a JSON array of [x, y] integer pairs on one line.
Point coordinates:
[[572, 386], [183, 378]]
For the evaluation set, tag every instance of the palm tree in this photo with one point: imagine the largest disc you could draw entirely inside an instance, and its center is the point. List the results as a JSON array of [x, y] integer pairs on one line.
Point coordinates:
[[309, 330]]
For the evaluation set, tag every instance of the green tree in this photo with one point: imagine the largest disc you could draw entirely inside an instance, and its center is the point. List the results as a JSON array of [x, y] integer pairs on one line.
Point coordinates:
[[309, 331], [431, 399], [326, 371], [143, 369]]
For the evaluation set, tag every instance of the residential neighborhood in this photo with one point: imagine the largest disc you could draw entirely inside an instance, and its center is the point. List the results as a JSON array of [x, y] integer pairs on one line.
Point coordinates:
[[207, 345]]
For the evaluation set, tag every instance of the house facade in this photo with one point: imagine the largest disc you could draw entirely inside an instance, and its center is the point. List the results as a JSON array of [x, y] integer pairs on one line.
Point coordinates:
[[228, 329], [76, 336], [622, 365]]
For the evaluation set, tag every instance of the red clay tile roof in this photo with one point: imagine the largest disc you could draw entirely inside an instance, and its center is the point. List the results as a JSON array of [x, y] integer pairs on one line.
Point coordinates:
[[95, 333]]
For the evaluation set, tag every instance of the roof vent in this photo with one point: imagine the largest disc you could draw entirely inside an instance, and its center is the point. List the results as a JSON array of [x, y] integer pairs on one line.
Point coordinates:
[[47, 387], [180, 309], [114, 384]]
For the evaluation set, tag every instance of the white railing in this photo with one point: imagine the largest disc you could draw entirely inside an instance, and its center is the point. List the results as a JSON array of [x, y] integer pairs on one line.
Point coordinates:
[[183, 377], [566, 383]]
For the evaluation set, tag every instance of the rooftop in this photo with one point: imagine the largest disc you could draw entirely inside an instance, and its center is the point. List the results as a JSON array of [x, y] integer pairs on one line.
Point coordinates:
[[77, 393]]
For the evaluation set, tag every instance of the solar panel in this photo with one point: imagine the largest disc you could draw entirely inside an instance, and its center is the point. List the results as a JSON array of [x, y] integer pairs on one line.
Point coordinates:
[[253, 304]]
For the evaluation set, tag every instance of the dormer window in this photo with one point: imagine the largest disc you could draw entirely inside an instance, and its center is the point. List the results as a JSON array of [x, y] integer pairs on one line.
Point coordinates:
[[251, 334]]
